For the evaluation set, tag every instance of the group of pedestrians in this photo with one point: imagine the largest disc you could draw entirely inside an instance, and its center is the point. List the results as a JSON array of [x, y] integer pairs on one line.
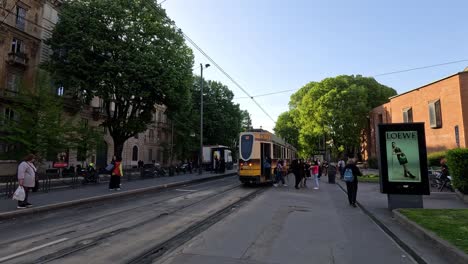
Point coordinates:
[[303, 170]]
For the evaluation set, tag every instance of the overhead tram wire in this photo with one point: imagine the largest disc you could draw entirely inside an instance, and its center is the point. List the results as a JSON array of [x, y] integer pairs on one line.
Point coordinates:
[[267, 94], [373, 76], [152, 4], [419, 68]]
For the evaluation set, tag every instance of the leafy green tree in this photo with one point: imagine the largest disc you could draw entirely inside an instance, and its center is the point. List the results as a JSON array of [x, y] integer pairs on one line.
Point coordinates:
[[222, 118], [38, 125], [246, 120], [85, 140], [337, 109], [126, 52], [287, 128]]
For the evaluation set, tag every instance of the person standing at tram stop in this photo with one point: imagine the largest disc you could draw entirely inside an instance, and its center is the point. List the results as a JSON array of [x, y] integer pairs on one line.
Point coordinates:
[[352, 185], [117, 173], [26, 178]]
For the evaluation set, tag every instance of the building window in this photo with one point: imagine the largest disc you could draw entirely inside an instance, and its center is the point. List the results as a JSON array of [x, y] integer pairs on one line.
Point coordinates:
[[408, 115], [8, 115], [17, 46], [435, 114], [13, 83], [135, 153], [20, 17], [150, 155], [60, 91], [151, 135], [136, 136]]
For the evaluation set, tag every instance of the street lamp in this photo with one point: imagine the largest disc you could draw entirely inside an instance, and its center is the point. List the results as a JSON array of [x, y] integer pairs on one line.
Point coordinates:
[[201, 118]]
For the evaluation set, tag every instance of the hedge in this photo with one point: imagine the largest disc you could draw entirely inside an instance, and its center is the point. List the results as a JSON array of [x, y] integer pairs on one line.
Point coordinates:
[[433, 159], [457, 161]]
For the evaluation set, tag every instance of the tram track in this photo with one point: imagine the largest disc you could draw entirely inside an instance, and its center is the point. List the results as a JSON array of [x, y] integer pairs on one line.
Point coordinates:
[[76, 225], [157, 251], [88, 238], [91, 242]]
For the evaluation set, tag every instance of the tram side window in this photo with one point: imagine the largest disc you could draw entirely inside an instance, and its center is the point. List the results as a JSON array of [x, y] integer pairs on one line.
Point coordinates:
[[276, 151]]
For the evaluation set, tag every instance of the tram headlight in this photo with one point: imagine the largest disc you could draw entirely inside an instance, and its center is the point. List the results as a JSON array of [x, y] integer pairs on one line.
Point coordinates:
[[250, 164]]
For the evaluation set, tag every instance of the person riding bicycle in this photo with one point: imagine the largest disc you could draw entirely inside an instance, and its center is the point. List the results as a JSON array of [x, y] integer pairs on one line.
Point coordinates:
[[444, 170]]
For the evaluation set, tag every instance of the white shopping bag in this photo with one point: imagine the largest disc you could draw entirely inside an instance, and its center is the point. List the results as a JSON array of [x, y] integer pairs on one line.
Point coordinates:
[[19, 194]]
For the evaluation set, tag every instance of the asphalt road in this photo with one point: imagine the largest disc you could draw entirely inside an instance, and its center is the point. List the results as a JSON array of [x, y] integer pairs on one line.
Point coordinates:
[[114, 231]]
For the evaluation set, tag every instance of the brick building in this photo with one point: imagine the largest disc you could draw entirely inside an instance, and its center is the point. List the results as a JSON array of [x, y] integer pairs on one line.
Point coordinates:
[[443, 107]]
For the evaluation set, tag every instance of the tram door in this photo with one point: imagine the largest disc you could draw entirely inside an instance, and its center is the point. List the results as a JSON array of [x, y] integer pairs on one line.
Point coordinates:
[[265, 152]]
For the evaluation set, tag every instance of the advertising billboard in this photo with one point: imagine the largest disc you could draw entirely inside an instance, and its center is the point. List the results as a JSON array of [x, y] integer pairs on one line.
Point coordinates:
[[402, 159], [403, 156]]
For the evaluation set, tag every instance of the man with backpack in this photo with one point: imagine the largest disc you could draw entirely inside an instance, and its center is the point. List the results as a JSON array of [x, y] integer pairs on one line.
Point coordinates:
[[351, 173]]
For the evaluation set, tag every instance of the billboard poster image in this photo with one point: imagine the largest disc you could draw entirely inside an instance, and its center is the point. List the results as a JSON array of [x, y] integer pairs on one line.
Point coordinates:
[[403, 156]]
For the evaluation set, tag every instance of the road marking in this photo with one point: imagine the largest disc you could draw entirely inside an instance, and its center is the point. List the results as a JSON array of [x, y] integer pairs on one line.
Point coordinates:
[[32, 249], [185, 190]]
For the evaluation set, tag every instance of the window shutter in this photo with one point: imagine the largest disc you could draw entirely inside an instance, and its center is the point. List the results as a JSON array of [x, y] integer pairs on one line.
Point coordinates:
[[432, 115], [438, 113], [405, 116]]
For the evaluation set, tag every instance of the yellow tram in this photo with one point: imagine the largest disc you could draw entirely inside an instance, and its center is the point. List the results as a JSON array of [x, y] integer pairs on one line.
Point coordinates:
[[254, 147]]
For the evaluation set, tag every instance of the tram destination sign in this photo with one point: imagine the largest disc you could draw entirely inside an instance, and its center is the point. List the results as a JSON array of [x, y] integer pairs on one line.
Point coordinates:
[[403, 163]]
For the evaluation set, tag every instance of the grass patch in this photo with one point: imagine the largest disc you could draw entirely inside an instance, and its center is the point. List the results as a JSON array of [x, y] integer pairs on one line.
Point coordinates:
[[369, 178], [449, 224]]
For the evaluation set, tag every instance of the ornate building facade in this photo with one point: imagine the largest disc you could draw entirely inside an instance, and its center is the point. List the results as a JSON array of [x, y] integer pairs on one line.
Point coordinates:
[[24, 27]]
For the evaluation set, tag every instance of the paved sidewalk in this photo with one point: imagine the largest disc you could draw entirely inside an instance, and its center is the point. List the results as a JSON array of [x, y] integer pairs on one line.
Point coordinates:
[[91, 191], [285, 225], [374, 202]]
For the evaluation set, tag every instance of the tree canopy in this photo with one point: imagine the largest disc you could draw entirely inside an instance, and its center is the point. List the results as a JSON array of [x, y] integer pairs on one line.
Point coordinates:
[[335, 109], [126, 52]]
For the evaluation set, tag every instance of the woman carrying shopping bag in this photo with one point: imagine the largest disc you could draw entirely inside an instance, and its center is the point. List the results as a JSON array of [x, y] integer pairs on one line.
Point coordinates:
[[26, 178]]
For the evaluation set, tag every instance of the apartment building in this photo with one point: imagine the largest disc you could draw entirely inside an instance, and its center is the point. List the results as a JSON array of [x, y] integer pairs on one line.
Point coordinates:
[[24, 27]]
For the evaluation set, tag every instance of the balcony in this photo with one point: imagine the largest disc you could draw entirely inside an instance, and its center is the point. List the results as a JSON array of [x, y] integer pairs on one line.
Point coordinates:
[[18, 59]]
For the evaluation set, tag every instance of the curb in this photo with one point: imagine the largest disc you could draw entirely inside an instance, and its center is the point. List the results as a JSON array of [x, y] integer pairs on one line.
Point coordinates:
[[461, 196], [450, 252], [45, 208]]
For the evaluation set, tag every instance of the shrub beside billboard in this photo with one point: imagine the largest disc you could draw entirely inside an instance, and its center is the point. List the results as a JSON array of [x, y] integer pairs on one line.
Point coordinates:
[[403, 160]]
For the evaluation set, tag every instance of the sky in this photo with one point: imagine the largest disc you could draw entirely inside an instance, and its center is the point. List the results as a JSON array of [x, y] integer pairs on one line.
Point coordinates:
[[272, 45]]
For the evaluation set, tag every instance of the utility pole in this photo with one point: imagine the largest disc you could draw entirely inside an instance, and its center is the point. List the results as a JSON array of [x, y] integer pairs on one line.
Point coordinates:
[[201, 118]]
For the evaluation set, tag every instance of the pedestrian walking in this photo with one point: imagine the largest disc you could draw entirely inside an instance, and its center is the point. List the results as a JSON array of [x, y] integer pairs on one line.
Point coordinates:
[[341, 165], [117, 173], [320, 168], [279, 174], [314, 171], [295, 171], [26, 178], [222, 165], [302, 174], [351, 173]]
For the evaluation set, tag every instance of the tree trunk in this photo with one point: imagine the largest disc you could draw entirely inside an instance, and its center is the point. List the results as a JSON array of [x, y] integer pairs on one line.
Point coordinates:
[[118, 146]]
